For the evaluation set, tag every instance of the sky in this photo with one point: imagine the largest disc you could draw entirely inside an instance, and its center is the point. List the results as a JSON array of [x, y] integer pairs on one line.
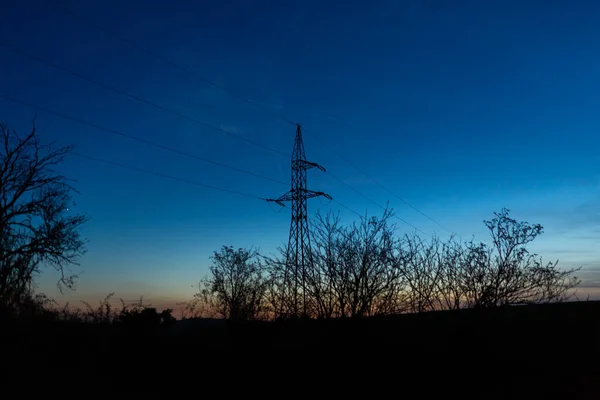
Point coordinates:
[[460, 108]]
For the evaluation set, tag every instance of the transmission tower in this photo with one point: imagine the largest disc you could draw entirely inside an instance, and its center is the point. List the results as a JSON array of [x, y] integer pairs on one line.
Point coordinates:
[[299, 256]]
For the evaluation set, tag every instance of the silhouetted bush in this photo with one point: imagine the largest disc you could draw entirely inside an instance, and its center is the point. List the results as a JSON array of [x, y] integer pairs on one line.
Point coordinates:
[[235, 290], [365, 269], [146, 318]]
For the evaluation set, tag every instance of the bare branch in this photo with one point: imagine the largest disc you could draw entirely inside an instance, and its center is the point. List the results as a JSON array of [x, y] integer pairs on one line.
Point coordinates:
[[37, 230]]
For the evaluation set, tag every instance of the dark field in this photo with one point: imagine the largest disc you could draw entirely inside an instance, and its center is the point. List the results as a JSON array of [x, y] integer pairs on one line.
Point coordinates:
[[543, 351]]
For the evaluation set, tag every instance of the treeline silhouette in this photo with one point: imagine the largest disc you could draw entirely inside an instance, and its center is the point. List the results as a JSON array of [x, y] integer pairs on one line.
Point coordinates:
[[367, 269]]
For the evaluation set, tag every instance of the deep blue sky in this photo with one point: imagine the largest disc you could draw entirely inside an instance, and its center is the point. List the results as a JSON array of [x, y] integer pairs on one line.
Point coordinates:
[[460, 107]]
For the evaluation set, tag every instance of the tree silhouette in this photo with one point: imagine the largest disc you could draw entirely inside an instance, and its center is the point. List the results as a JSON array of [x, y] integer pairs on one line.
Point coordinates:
[[352, 273], [456, 275], [325, 279], [237, 286], [37, 229], [510, 274], [364, 269], [366, 266]]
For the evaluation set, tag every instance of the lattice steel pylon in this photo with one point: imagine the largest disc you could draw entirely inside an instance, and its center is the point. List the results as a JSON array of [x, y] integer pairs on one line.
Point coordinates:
[[299, 255]]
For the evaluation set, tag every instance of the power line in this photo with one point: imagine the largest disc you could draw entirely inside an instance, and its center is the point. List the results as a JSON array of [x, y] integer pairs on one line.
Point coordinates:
[[139, 99], [211, 83], [347, 208], [9, 98], [167, 61], [189, 182], [192, 73], [386, 189], [374, 202], [147, 142], [176, 113]]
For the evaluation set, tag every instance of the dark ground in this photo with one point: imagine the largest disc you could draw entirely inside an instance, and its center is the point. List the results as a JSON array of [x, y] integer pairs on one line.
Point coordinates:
[[544, 351]]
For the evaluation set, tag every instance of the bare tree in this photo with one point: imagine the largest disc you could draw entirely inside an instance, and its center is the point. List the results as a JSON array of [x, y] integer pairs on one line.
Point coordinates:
[[204, 302], [507, 273], [419, 264], [37, 229], [366, 269], [281, 299], [451, 263], [455, 275], [352, 270], [325, 279], [237, 285]]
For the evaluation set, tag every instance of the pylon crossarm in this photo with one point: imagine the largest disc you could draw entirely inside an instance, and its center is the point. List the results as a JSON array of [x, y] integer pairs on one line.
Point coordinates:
[[289, 196], [303, 164], [309, 194], [276, 201]]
